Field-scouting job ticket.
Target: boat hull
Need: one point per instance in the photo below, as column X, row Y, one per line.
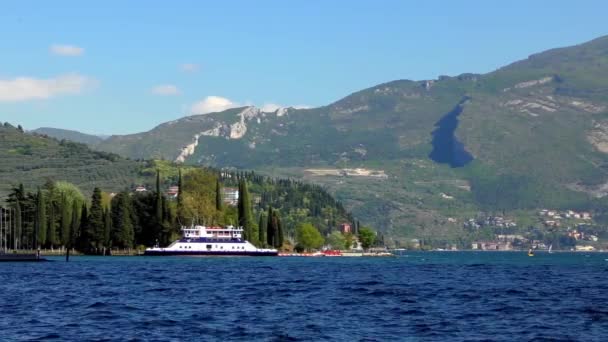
column 208, row 253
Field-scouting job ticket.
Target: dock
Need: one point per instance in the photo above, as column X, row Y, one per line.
column 8, row 257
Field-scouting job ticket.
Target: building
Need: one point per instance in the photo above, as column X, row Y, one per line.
column 141, row 188
column 492, row 246
column 345, row 228
column 173, row 191
column 230, row 195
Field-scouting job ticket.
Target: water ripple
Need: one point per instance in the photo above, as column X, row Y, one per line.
column 423, row 296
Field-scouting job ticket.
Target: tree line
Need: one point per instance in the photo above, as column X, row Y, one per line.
column 57, row 215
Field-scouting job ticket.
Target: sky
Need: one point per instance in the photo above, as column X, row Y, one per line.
column 119, row 67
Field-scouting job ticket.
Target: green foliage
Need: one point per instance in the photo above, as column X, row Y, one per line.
column 74, row 225
column 336, row 240
column 41, row 221
column 250, row 231
column 199, row 198
column 367, row 237
column 122, row 231
column 308, row 237
column 262, row 228
column 65, row 220
column 33, row 159
column 95, row 225
column 218, row 196
column 64, row 134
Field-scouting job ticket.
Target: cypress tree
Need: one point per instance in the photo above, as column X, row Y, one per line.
column 107, row 224
column 122, row 234
column 245, row 215
column 18, row 226
column 275, row 229
column 270, row 237
column 280, row 236
column 40, row 226
column 95, row 226
column 159, row 200
column 51, row 233
column 74, row 226
column 262, row 229
column 218, row 196
column 65, row 222
column 180, row 199
column 83, row 236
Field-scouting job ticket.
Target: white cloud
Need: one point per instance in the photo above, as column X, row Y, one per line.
column 165, row 89
column 190, row 67
column 211, row 104
column 28, row 88
column 66, row 50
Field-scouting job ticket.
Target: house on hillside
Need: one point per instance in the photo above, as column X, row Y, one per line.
column 173, row 191
column 345, row 228
column 230, row 195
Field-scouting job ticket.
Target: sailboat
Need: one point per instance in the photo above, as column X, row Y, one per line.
column 550, row 248
column 530, row 252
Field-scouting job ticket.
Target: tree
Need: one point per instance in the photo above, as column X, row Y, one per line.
column 199, row 198
column 270, row 227
column 262, row 224
column 180, row 197
column 41, row 223
column 18, row 224
column 65, row 222
column 245, row 214
column 309, row 237
column 122, row 234
column 51, row 230
column 82, row 236
column 348, row 241
column 336, row 240
column 218, row 196
column 107, row 227
column 74, row 226
column 159, row 200
column 95, row 227
column 279, row 232
column 367, row 237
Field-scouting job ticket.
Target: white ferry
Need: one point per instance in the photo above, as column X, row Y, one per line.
column 216, row 241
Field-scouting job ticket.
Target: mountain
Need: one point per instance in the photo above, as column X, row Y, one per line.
column 432, row 153
column 33, row 159
column 66, row 134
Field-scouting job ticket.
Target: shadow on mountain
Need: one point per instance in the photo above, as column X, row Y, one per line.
column 446, row 148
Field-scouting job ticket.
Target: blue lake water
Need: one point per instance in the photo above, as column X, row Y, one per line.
column 420, row 296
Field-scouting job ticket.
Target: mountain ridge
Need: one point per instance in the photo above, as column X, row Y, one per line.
column 536, row 131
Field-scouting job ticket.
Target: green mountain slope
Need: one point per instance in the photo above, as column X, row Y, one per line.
column 536, row 131
column 67, row 134
column 33, row 159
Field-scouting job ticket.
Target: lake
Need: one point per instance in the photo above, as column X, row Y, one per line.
column 419, row 296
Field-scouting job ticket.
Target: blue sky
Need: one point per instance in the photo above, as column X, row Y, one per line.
column 125, row 66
